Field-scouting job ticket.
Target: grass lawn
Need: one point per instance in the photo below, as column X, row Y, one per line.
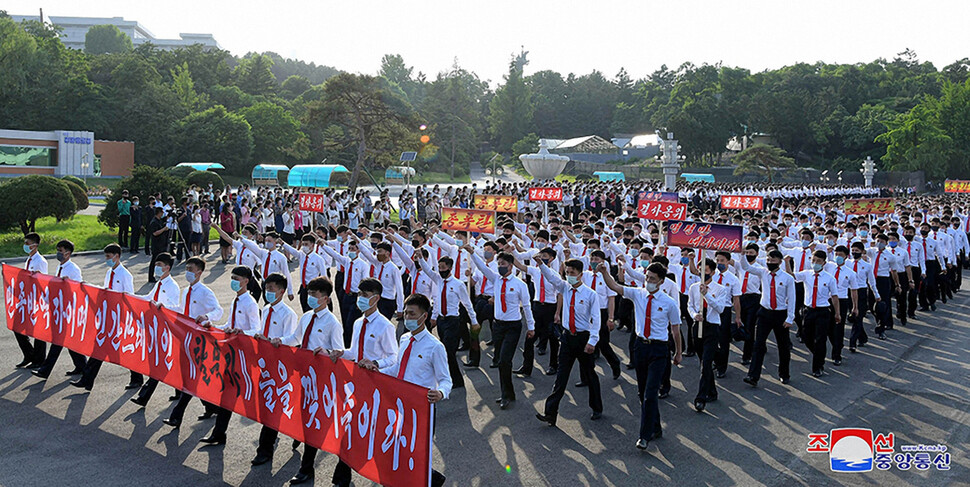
column 84, row 230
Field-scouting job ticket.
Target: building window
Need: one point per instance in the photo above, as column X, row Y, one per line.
column 28, row 156
column 97, row 165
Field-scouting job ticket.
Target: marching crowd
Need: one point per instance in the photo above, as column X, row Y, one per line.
column 572, row 278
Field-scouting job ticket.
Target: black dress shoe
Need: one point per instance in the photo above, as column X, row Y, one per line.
column 139, row 401
column 817, row 374
column 720, row 375
column 689, row 354
column 616, row 373
column 493, row 365
column 552, row 370
column 80, row 383
column 260, row 459
column 505, row 403
column 460, row 385
column 470, row 365
column 541, row 351
column 205, row 416
column 642, row 444
column 213, row 440
column 175, row 423
column 295, row 445
column 550, row 420
column 659, row 434
column 74, row 372
column 580, row 384
column 785, row 380
column 133, row 385
column 23, row 364
column 630, row 365
column 745, row 362
column 664, row 395
column 837, row 362
column 489, row 343
column 174, row 397
column 35, row 365
column 596, row 415
column 41, row 374
column 922, row 308
column 699, row 406
column 522, row 371
column 882, row 336
column 301, row 478
column 852, row 349
column 750, row 381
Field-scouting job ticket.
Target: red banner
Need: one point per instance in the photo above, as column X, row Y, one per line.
column 379, row 425
column 731, row 202
column 504, row 204
column 708, row 236
column 311, row 202
column 545, row 194
column 870, row 206
column 956, row 186
column 481, row 221
column 661, row 210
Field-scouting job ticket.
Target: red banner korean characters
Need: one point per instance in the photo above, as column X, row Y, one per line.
column 661, row 210
column 731, row 202
column 311, row 202
column 481, row 221
column 956, row 186
column 871, row 206
column 504, row 204
column 377, row 424
column 708, row 236
column 545, row 194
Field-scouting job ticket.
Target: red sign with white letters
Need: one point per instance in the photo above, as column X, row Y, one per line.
column 379, row 425
column 661, row 210
column 733, row 202
column 545, row 194
column 311, row 202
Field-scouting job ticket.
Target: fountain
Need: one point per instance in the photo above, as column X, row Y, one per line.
column 543, row 165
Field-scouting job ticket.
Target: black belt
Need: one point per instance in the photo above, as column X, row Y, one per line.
column 650, row 341
column 566, row 330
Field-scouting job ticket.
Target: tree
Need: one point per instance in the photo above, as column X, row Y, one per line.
column 763, row 160
column 184, row 86
column 203, row 179
column 143, row 182
column 105, row 39
column 215, row 135
column 526, row 145
column 454, row 118
column 25, row 199
column 369, row 114
column 510, row 116
column 294, row 86
column 275, row 132
column 254, row 75
column 79, row 194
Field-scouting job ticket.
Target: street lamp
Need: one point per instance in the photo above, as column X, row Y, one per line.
column 670, row 162
column 868, row 170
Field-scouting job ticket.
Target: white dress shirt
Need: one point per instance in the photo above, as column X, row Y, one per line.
column 717, row 298
column 452, row 290
column 271, row 262
column 201, row 302
column 327, row 333
column 844, row 278
column 278, row 324
column 664, row 311
column 778, row 283
column 819, row 288
column 595, row 281
column 545, row 292
column 244, row 256
column 514, row 296
column 244, row 315
column 579, row 301
column 427, row 362
column 165, row 292
column 36, row 263
column 69, row 270
column 119, row 279
column 310, row 265
column 378, row 340
column 353, row 269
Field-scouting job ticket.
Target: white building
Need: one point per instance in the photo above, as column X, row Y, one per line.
column 75, row 28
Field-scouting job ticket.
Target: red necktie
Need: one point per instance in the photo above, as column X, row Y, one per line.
column 815, row 291
column 774, row 300
column 458, row 266
column 837, row 271
column 594, row 282
column 241, row 251
column 404, row 359
column 232, row 317
column 360, row 340
column 306, row 260
column 111, row 280
column 158, row 287
column 59, row 270
column 855, row 267
column 924, row 251
column 542, row 289
column 876, row 271
column 909, row 248
column 801, row 266
column 484, row 279
column 439, row 253
column 372, row 270
column 646, row 317
column 414, row 285
column 379, row 276
column 306, row 333
column 341, row 253
column 744, row 286
column 720, row 279
column 504, row 281
column 683, row 282
column 572, row 313
column 444, row 298
column 269, row 316
column 266, row 267
column 188, row 301
column 350, row 274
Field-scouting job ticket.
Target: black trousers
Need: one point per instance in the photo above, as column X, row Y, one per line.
column 349, row 314
column 750, row 305
column 34, row 353
column 816, row 322
column 723, row 351
column 886, row 289
column 303, row 299
column 484, row 311
column 506, row 338
column 123, row 223
column 687, row 322
column 134, row 239
column 267, row 443
column 179, row 410
column 650, row 359
column 858, row 334
column 79, row 360
column 449, row 331
column 771, row 321
column 837, row 330
column 603, row 345
column 929, row 291
column 913, row 295
column 544, row 314
column 902, row 300
column 573, row 348
column 799, row 306
column 386, row 307
column 706, row 343
column 338, row 280
column 93, row 367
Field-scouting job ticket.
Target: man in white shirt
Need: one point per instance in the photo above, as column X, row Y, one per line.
column 821, row 291
column 777, row 315
column 511, row 303
column 66, row 270
column 382, row 269
column 310, row 266
column 544, row 311
column 271, row 260
column 656, row 317
column 118, row 279
column 706, row 300
column 354, row 271
column 449, row 294
column 165, row 293
column 579, row 335
column 33, row 354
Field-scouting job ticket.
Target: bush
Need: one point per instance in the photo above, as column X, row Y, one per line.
column 25, row 199
column 203, row 178
column 180, row 172
column 76, row 180
column 143, row 182
column 80, row 195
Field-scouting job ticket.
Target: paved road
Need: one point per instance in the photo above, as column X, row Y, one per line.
column 915, row 385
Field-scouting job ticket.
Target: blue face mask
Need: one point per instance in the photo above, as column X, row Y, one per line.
column 572, row 280
column 363, row 303
column 489, row 255
column 313, row 302
column 189, row 276
column 411, row 325
column 234, row 285
column 594, row 265
column 840, row 260
column 158, row 270
column 351, row 255
column 109, row 262
column 644, row 263
column 684, row 260
column 893, row 244
column 806, row 243
column 270, row 296
column 817, row 267
column 863, row 233
column 721, row 267
column 26, row 249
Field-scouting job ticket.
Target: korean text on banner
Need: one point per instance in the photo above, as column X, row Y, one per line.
column 481, row 221
column 545, row 194
column 661, row 210
column 870, row 206
column 311, row 202
column 734, row 202
column 495, row 202
column 708, row 236
column 657, row 196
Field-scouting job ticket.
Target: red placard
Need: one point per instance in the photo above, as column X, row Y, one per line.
column 870, row 206
column 734, row 202
column 311, row 202
column 502, row 203
column 661, row 210
column 956, row 186
column 379, row 425
column 545, row 194
column 480, row 221
column 708, row 236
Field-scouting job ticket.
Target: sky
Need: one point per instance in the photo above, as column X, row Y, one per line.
column 566, row 36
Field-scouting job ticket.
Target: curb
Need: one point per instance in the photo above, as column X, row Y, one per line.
column 11, row 260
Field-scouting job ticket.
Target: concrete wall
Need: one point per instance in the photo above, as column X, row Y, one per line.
column 117, row 158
